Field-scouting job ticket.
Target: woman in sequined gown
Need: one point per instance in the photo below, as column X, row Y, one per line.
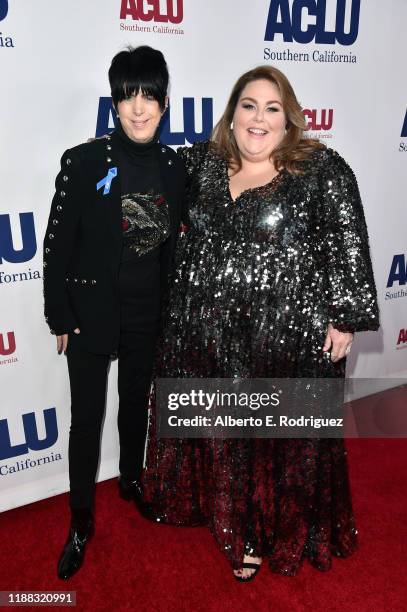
column 272, row 279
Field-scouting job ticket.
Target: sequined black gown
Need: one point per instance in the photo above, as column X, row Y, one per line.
column 256, row 282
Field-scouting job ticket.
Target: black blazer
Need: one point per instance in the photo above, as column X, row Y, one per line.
column 83, row 241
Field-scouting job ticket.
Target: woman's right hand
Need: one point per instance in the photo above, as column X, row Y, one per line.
column 62, row 341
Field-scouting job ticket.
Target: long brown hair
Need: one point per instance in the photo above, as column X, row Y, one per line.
column 293, row 149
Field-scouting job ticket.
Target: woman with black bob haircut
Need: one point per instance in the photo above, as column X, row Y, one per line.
column 108, row 250
column 143, row 69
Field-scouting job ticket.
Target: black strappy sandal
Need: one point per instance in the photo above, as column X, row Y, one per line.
column 255, row 566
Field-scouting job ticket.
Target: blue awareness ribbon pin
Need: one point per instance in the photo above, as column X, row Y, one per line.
column 107, row 181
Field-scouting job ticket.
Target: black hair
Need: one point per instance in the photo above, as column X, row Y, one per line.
column 141, row 68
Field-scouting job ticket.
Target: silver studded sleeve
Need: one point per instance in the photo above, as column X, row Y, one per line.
column 58, row 245
column 345, row 249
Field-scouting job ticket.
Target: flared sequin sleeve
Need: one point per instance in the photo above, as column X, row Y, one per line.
column 345, row 248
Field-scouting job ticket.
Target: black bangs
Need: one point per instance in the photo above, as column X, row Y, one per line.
column 140, row 69
column 133, row 86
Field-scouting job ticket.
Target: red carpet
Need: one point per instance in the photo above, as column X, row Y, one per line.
column 133, row 564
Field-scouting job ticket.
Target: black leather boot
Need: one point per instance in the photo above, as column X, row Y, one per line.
column 80, row 532
column 131, row 490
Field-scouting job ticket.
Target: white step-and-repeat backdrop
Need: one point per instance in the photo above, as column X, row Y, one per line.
column 346, row 61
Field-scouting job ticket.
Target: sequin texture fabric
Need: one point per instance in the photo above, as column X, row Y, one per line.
column 146, row 222
column 257, row 281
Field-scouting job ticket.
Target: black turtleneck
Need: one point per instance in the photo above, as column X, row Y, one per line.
column 138, row 163
column 146, row 225
column 145, row 212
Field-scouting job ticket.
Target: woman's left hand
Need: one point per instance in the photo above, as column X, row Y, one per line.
column 338, row 342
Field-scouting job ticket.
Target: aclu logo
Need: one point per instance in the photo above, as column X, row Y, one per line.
column 3, row 9
column 9, row 251
column 404, row 128
column 7, row 348
column 319, row 120
column 8, row 345
column 402, row 339
column 169, row 11
column 29, row 242
column 106, row 121
column 398, row 271
column 306, row 21
column 403, row 145
column 32, row 441
column 5, row 41
column 397, row 276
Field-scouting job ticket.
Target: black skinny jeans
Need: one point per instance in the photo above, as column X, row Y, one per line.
column 88, row 379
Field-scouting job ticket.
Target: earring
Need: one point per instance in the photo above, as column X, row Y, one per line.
column 231, row 126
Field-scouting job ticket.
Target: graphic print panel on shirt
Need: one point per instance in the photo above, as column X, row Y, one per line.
column 146, row 222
